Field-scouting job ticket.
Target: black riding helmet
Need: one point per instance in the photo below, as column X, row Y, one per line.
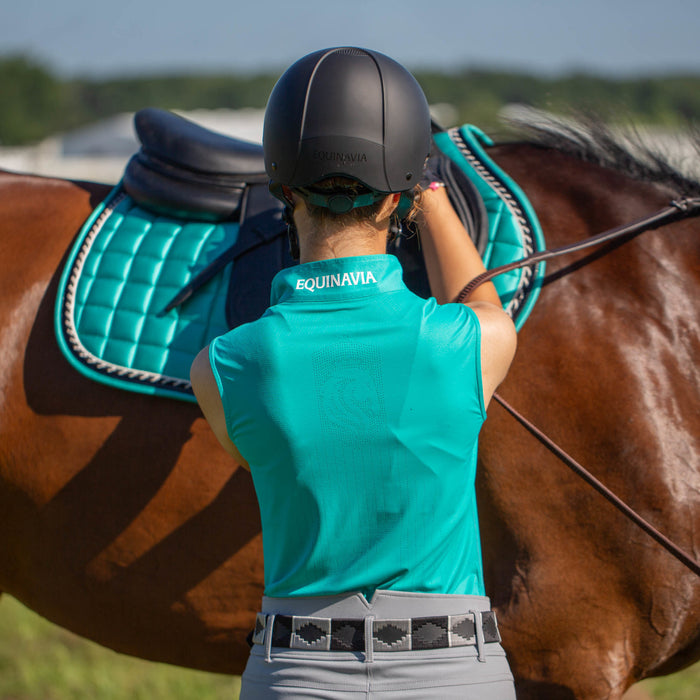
column 346, row 112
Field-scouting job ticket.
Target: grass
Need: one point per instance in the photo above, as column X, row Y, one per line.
column 39, row 661
column 684, row 685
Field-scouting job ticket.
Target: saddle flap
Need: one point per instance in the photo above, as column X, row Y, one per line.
column 263, row 245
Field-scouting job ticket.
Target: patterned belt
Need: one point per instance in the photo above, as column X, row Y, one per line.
column 407, row 634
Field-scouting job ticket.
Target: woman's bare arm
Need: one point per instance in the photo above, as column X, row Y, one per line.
column 452, row 260
column 207, row 393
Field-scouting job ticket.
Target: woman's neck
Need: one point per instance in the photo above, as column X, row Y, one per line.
column 346, row 243
column 325, row 242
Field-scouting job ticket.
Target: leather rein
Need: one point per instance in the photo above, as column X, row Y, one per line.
column 678, row 209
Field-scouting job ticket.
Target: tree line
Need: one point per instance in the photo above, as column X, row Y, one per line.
column 36, row 103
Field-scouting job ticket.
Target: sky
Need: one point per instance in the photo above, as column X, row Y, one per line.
column 94, row 38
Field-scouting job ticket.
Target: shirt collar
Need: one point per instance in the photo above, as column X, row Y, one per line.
column 338, row 278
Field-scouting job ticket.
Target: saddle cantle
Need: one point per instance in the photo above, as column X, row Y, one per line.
column 186, row 245
column 185, row 169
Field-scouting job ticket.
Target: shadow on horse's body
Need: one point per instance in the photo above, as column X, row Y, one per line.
column 125, row 522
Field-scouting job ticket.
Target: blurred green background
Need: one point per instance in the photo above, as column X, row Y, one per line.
column 37, row 103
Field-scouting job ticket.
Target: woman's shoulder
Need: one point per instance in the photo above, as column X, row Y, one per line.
column 451, row 313
column 450, row 326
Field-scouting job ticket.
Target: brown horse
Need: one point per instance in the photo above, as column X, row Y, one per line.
column 123, row 520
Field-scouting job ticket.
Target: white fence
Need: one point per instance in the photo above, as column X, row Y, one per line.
column 46, row 159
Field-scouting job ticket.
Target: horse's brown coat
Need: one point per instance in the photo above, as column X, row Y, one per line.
column 125, row 522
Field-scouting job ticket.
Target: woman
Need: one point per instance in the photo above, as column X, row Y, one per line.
column 357, row 405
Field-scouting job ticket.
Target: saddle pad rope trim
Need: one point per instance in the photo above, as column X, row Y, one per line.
column 513, row 223
column 86, row 353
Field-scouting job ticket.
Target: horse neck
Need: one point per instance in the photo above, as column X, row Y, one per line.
column 658, row 271
column 573, row 198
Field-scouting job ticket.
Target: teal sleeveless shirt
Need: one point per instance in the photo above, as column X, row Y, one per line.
column 357, row 405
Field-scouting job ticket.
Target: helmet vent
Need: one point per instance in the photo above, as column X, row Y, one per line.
column 351, row 52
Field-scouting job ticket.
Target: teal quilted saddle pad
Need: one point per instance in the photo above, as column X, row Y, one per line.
column 130, row 260
column 126, row 266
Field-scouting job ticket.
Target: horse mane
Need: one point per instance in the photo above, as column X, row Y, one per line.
column 625, row 149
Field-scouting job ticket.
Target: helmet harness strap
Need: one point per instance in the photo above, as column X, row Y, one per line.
column 338, row 203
